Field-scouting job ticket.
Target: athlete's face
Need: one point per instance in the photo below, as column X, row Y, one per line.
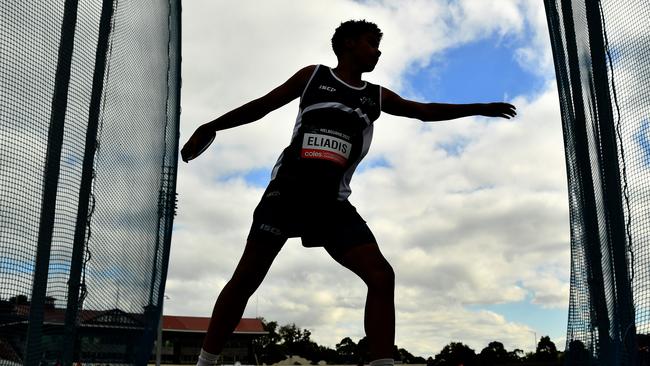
column 366, row 51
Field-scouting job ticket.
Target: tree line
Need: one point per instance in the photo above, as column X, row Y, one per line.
column 288, row 340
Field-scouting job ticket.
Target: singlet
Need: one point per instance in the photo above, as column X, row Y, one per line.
column 331, row 135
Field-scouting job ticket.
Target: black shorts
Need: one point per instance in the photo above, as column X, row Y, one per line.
column 319, row 223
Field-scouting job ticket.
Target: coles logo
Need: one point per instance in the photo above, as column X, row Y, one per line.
column 324, row 147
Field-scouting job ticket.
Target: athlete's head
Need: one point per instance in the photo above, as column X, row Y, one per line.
column 359, row 37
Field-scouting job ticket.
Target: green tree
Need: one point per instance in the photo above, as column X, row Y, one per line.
column 418, row 360
column 271, row 338
column 19, row 300
column 267, row 347
column 309, row 350
column 407, row 357
column 327, row 354
column 50, row 302
column 517, row 355
column 346, row 350
column 290, row 334
column 578, row 354
column 298, row 342
column 362, row 353
column 546, row 350
column 494, row 354
column 455, row 354
column 305, row 347
column 529, row 357
column 290, row 340
column 305, row 336
column 273, row 353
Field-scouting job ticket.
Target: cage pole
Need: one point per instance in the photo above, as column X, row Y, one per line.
column 167, row 198
column 575, row 121
column 623, row 315
column 34, row 342
column 76, row 265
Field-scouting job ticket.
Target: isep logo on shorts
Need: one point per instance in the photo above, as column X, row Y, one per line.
column 325, row 147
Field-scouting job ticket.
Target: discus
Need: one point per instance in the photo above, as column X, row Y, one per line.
column 202, row 144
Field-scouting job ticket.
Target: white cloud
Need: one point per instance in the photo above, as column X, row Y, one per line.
column 476, row 18
column 486, row 226
column 537, row 57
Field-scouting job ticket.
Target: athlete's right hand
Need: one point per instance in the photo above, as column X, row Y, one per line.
column 198, row 143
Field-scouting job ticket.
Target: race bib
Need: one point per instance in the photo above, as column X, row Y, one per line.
column 325, row 147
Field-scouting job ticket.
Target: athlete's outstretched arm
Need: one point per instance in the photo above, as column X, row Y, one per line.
column 251, row 111
column 429, row 112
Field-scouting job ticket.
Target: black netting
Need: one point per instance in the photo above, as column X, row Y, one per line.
column 601, row 50
column 89, row 111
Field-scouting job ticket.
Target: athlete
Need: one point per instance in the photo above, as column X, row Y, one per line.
column 307, row 196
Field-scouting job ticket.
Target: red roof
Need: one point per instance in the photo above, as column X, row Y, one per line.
column 170, row 322
column 200, row 324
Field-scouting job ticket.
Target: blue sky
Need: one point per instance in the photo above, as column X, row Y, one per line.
column 481, row 71
column 643, row 139
column 471, row 213
column 544, row 321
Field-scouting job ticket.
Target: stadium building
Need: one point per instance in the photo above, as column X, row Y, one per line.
column 107, row 336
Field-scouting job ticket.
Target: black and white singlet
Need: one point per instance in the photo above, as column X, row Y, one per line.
column 332, row 134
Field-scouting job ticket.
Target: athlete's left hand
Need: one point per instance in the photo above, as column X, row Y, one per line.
column 198, row 142
column 504, row 110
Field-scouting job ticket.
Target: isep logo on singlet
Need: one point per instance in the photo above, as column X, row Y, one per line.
column 325, row 147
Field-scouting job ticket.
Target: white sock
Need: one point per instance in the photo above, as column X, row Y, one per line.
column 207, row 359
column 383, row 362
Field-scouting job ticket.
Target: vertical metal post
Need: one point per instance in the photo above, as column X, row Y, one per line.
column 34, row 343
column 159, row 338
column 160, row 331
column 575, row 122
column 167, row 198
column 76, row 265
column 612, row 195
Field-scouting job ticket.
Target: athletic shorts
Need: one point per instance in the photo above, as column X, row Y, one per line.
column 319, row 223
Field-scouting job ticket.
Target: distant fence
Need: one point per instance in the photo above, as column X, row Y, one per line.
column 601, row 51
column 90, row 95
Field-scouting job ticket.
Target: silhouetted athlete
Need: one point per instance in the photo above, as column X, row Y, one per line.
column 310, row 183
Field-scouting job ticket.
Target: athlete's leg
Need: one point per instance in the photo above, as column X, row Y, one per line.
column 229, row 307
column 379, row 321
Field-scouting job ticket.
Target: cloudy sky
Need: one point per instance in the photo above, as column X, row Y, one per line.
column 471, row 213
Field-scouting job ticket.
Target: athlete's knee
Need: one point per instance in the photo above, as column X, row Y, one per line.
column 382, row 277
column 252, row 268
column 246, row 281
column 244, row 284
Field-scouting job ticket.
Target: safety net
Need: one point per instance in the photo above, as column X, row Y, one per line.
column 89, row 112
column 601, row 51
